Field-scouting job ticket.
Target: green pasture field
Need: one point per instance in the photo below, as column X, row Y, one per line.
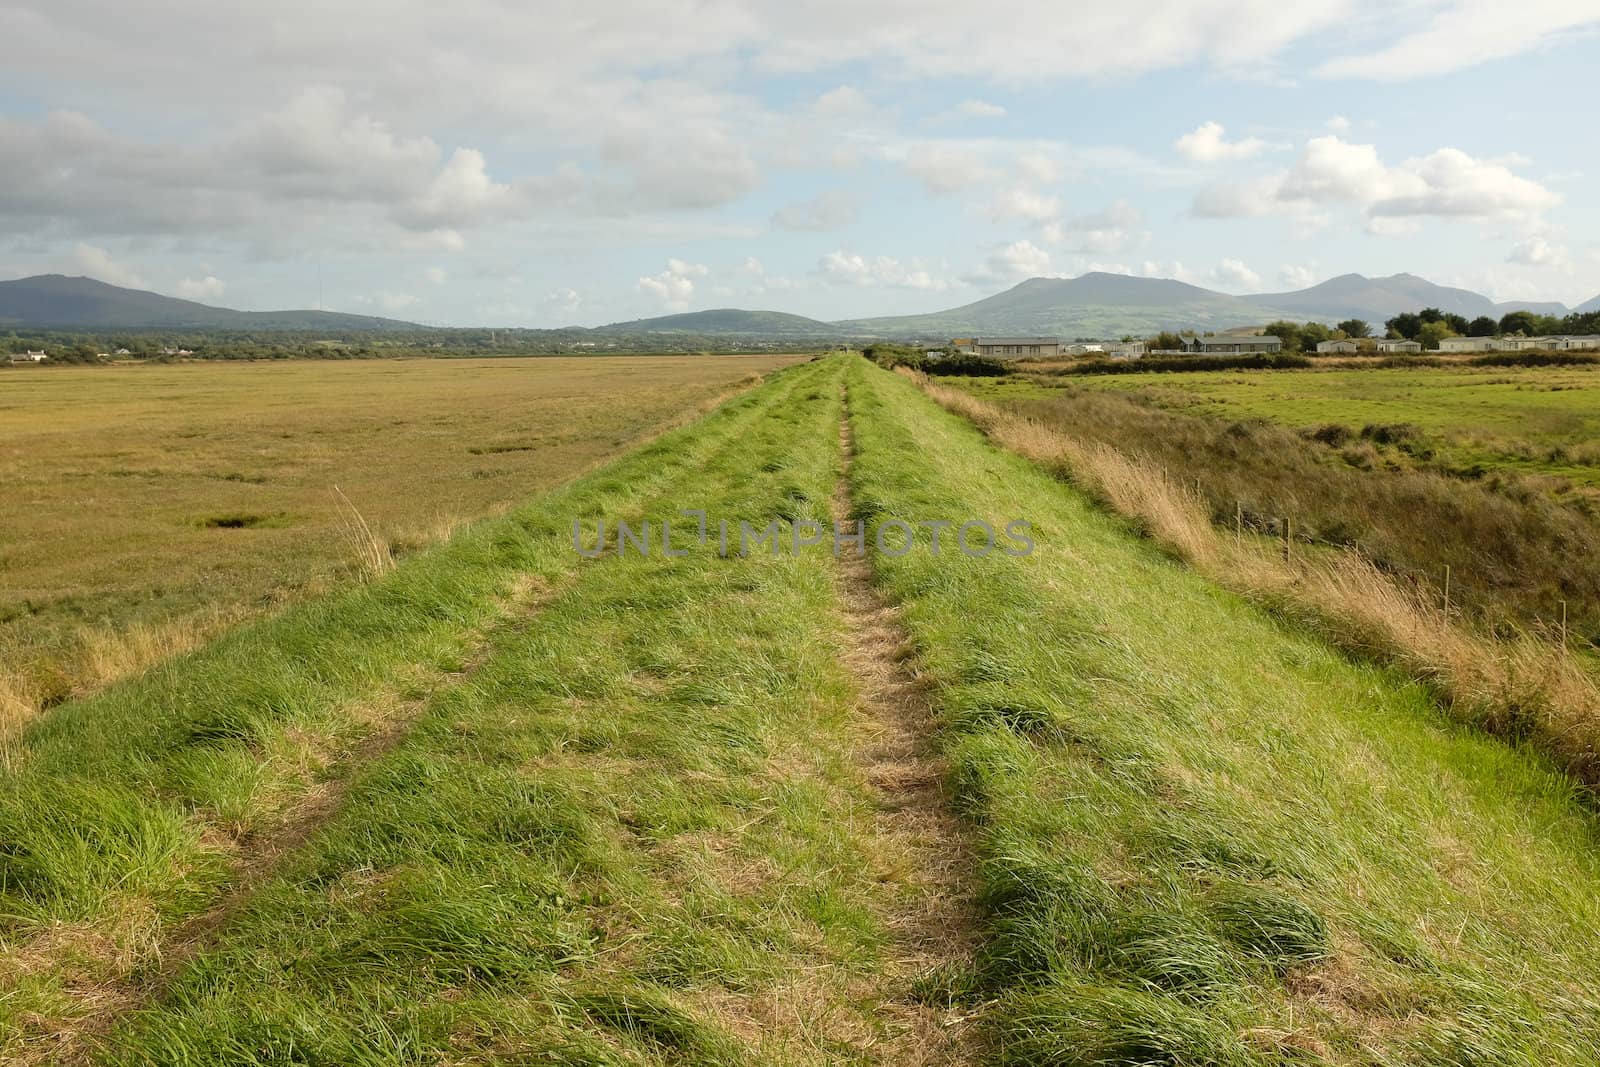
column 1537, row 419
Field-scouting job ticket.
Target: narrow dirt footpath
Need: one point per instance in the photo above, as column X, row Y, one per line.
column 924, row 850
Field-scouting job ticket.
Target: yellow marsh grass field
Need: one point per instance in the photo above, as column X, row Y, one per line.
column 144, row 507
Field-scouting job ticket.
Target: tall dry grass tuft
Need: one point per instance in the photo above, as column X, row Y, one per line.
column 371, row 553
column 1516, row 687
column 104, row 656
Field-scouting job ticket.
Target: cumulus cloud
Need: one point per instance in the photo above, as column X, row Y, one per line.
column 1206, row 144
column 1297, row 277
column 1012, row 263
column 674, row 287
column 95, row 262
column 847, row 268
column 1447, row 183
column 459, row 196
column 204, row 290
column 1234, row 274
column 1540, row 252
column 828, row 210
column 1119, row 228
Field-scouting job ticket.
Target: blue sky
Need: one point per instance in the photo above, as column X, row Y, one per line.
column 547, row 164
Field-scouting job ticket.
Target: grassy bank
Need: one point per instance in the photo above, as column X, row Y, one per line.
column 1206, row 837
column 1518, row 546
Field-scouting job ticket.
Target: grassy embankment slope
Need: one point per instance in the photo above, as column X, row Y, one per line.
column 143, row 508
column 508, row 804
column 1206, row 837
column 1389, row 462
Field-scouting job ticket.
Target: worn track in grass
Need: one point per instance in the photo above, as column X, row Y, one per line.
column 921, row 841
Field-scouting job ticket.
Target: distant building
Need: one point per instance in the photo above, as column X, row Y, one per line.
column 28, row 357
column 1468, row 344
column 1388, row 344
column 1126, row 350
column 1557, row 343
column 1233, row 346
column 1342, row 347
column 1016, row 347
column 1083, row 348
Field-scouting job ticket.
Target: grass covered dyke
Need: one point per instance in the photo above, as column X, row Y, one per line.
column 1205, row 836
column 1521, row 687
column 127, row 813
column 641, row 832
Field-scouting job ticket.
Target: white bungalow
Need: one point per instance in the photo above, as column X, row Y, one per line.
column 1398, row 344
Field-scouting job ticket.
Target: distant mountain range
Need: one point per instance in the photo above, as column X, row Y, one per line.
column 731, row 322
column 54, row 300
column 1111, row 305
column 1093, row 305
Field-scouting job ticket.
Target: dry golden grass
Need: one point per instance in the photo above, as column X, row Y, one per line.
column 1521, row 686
column 144, row 508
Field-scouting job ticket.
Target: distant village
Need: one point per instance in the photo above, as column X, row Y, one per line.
column 1238, row 344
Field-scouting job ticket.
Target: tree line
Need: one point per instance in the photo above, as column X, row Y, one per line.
column 1427, row 327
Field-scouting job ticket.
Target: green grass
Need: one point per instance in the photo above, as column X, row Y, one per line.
column 625, row 819
column 1539, row 420
column 1206, row 837
column 1521, row 550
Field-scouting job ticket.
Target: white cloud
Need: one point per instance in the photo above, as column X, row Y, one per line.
column 948, row 167
column 1119, row 228
column 205, row 290
column 1446, row 183
column 459, row 196
column 1017, row 202
column 1208, row 145
column 828, row 210
column 972, row 109
column 95, row 262
column 674, row 287
column 1015, row 262
column 1234, row 274
column 1297, row 277
column 436, row 275
column 566, row 301
column 1539, row 252
column 1338, row 124
column 847, row 268
column 1465, row 33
